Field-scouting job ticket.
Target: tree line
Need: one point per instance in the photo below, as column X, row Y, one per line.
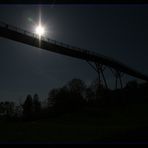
column 74, row 96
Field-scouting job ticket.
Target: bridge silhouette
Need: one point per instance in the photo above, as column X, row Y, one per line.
column 97, row 61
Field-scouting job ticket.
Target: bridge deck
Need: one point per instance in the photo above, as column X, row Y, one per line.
column 23, row 36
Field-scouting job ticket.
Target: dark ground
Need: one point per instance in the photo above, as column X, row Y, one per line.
column 118, row 124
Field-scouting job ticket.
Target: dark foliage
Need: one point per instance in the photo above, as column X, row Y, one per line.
column 69, row 97
column 74, row 97
column 28, row 108
column 36, row 106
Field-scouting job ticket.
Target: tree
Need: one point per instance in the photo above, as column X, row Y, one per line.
column 7, row 109
column 28, row 107
column 69, row 97
column 97, row 88
column 51, row 97
column 59, row 98
column 36, row 104
column 9, row 106
column 89, row 96
column 76, row 86
column 2, row 109
column 77, row 89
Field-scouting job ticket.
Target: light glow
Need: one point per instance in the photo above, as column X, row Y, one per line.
column 40, row 30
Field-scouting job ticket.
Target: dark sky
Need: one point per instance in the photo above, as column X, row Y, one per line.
column 118, row 31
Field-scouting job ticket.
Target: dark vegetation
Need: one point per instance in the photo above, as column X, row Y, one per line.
column 77, row 112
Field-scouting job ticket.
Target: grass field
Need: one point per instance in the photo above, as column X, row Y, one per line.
column 89, row 125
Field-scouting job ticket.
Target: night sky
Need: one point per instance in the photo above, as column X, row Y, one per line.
column 117, row 31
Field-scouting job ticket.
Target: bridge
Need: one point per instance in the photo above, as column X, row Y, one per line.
column 97, row 61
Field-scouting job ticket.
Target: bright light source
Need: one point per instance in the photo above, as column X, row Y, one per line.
column 40, row 30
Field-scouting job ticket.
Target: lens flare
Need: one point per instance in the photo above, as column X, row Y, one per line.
column 40, row 30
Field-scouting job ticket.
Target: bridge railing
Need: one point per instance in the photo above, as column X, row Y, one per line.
column 14, row 28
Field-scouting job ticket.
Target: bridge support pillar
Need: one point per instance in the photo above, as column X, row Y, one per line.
column 118, row 78
column 99, row 68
